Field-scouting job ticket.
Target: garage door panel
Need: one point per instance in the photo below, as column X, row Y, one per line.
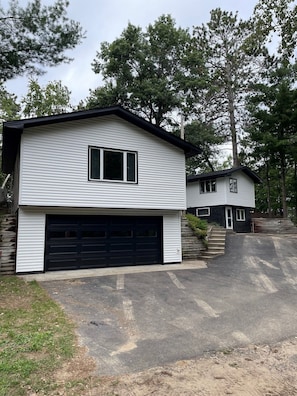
column 92, row 262
column 93, row 247
column 66, row 264
column 102, row 241
column 146, row 259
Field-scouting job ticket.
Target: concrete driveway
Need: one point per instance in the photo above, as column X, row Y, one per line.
column 131, row 322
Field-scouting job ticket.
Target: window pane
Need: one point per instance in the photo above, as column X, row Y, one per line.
column 207, row 186
column 62, row 234
column 240, row 214
column 113, row 165
column 93, row 234
column 131, row 167
column 121, row 234
column 203, row 212
column 149, row 233
column 233, row 185
column 95, row 164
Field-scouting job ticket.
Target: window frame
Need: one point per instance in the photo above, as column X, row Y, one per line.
column 125, row 161
column 240, row 214
column 233, row 185
column 203, row 186
column 203, row 215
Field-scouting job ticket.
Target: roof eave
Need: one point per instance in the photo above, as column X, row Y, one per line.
column 12, row 131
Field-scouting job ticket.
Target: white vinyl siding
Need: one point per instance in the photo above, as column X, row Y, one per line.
column 245, row 196
column 172, row 238
column 31, row 233
column 196, row 199
column 30, row 241
column 54, row 162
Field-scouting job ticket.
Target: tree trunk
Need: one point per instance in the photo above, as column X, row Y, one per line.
column 283, row 186
column 231, row 110
column 295, row 178
column 268, row 191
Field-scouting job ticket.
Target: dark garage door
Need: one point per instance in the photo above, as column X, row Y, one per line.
column 74, row 242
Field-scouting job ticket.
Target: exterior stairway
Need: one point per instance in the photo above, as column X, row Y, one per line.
column 192, row 246
column 216, row 243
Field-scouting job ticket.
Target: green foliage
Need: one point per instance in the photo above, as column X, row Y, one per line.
column 9, row 107
column 275, row 21
column 227, row 74
column 205, row 137
column 34, row 36
column 144, row 70
column 273, row 129
column 52, row 99
column 197, row 225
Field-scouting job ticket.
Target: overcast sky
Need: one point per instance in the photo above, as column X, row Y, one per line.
column 104, row 20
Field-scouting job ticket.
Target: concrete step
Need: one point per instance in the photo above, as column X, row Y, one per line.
column 191, row 245
column 216, row 243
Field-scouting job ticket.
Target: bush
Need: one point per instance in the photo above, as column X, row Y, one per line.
column 197, row 225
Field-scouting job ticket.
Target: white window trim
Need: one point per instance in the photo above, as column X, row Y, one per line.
column 125, row 172
column 240, row 215
column 204, row 215
column 234, row 188
column 211, row 181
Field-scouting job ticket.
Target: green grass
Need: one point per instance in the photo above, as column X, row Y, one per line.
column 36, row 338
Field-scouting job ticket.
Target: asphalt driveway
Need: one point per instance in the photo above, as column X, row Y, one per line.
column 135, row 321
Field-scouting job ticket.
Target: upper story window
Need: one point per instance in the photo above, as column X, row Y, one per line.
column 207, row 186
column 233, row 185
column 112, row 165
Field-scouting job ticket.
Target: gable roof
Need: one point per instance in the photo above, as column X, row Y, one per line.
column 12, row 131
column 225, row 173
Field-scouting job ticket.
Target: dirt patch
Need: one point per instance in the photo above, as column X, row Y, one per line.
column 255, row 370
column 80, row 367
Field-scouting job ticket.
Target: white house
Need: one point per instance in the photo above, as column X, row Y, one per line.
column 95, row 188
column 224, row 197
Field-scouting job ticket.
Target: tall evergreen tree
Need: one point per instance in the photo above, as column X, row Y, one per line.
column 273, row 125
column 229, row 71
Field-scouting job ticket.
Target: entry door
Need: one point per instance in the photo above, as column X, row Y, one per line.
column 229, row 218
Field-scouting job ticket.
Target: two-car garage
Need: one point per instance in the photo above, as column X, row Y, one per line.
column 87, row 241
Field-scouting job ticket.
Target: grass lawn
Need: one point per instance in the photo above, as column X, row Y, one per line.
column 36, row 341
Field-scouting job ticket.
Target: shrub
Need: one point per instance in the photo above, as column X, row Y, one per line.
column 197, row 225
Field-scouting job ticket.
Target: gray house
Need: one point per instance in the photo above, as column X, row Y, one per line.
column 95, row 188
column 224, row 197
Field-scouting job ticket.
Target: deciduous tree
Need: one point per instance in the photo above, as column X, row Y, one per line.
column 52, row 99
column 143, row 70
column 35, row 36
